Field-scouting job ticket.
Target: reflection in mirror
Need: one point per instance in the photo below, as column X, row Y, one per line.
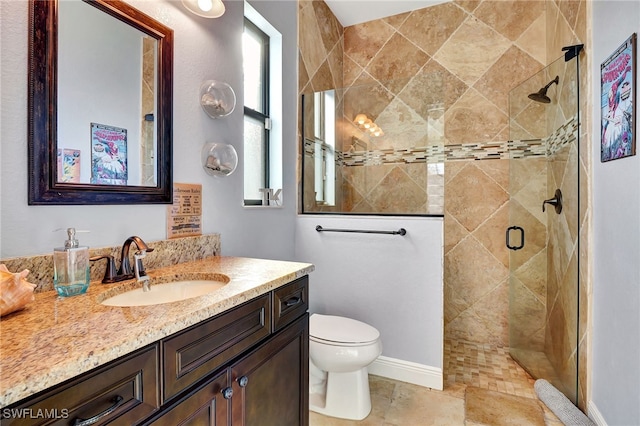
column 369, row 152
column 100, row 113
column 106, row 86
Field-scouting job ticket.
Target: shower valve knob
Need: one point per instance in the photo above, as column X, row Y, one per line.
column 556, row 202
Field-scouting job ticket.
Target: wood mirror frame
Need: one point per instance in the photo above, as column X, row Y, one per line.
column 44, row 188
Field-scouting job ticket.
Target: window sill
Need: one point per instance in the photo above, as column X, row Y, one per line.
column 261, row 207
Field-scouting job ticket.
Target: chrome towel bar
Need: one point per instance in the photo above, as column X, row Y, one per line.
column 400, row 231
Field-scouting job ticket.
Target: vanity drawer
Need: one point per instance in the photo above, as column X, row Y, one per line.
column 290, row 302
column 123, row 392
column 194, row 353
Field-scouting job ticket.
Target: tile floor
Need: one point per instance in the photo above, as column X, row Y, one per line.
column 482, row 386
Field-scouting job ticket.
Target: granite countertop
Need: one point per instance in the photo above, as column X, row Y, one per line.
column 54, row 339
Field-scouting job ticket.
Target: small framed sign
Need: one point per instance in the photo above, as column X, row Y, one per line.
column 618, row 102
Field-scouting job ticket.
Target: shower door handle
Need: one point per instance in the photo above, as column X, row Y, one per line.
column 515, row 228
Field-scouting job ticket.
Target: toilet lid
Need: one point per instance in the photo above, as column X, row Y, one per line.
column 341, row 330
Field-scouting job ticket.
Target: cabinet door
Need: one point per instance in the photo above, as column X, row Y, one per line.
column 271, row 384
column 122, row 392
column 191, row 355
column 206, row 405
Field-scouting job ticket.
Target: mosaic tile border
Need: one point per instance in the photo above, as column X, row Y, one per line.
column 565, row 135
column 562, row 137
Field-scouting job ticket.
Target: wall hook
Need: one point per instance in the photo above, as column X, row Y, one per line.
column 555, row 201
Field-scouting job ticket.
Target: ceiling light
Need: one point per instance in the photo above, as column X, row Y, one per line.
column 205, row 8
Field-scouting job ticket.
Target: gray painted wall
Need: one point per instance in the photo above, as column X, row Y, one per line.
column 392, row 282
column 204, row 49
column 615, row 386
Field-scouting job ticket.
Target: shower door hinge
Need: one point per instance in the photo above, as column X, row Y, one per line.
column 571, row 52
column 267, row 123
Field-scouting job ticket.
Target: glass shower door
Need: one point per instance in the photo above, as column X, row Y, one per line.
column 543, row 232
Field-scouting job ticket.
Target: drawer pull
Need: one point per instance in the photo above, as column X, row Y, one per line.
column 227, row 393
column 117, row 401
column 292, row 301
column 243, row 381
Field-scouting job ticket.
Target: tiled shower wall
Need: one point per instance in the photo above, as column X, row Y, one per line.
column 481, row 49
column 389, row 79
column 320, row 67
column 147, row 139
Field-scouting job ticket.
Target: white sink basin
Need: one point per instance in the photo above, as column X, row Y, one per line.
column 165, row 293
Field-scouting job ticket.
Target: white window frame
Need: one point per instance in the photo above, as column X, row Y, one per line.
column 275, row 164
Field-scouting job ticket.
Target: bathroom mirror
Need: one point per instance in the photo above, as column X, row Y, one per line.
column 100, row 104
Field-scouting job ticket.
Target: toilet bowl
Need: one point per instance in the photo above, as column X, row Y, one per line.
column 340, row 349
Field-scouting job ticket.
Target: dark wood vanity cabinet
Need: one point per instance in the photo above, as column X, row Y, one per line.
column 123, row 392
column 192, row 354
column 271, row 384
column 205, row 404
column 266, row 387
column 248, row 366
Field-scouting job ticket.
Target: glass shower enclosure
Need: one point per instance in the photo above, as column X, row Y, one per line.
column 375, row 148
column 543, row 236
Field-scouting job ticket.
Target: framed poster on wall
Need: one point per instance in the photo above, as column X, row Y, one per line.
column 108, row 155
column 618, row 102
column 68, row 165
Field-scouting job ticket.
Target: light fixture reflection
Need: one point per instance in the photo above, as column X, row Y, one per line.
column 205, row 8
column 366, row 124
column 360, row 119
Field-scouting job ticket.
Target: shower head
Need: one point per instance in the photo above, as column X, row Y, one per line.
column 541, row 95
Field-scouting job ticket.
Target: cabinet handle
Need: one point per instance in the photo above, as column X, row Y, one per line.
column 243, row 381
column 292, row 301
column 117, row 401
column 227, row 393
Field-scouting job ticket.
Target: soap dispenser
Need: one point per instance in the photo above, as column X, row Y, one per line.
column 71, row 267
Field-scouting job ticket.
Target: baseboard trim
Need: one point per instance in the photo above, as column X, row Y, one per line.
column 406, row 371
column 594, row 414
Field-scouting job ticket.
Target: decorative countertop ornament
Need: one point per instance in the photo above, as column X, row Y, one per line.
column 15, row 290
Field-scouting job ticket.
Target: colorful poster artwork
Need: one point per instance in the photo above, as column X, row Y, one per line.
column 69, row 165
column 108, row 155
column 617, row 79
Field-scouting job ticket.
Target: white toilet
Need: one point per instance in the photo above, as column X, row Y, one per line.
column 340, row 349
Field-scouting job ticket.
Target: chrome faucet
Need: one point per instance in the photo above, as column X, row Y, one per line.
column 138, row 270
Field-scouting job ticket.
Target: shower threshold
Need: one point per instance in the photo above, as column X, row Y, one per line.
column 537, row 364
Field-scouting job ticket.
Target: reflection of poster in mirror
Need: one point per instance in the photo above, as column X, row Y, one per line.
column 69, row 165
column 618, row 81
column 108, row 155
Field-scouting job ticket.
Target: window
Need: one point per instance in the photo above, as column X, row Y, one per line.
column 324, row 147
column 261, row 50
